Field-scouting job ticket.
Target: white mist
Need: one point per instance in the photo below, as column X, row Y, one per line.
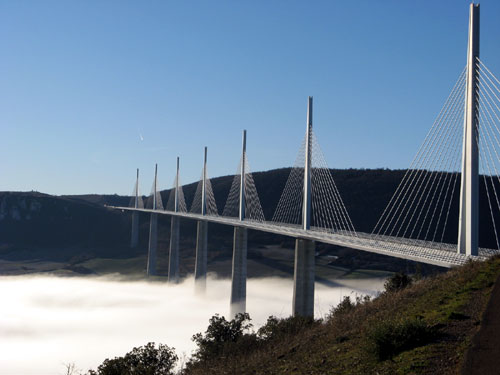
column 49, row 321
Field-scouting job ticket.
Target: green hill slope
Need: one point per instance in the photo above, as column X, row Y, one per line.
column 423, row 329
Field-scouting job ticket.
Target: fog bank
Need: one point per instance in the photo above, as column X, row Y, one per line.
column 46, row 321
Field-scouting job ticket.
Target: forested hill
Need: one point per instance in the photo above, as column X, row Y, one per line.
column 365, row 192
column 57, row 226
column 44, row 220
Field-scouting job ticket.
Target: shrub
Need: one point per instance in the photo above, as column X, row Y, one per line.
column 346, row 306
column 276, row 328
column 220, row 335
column 144, row 360
column 389, row 338
column 398, row 281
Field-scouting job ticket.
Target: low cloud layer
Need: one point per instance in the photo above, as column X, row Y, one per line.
column 48, row 321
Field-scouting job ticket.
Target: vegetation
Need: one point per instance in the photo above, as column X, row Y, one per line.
column 221, row 335
column 418, row 327
column 389, row 338
column 225, row 339
column 144, row 360
column 398, row 281
column 277, row 329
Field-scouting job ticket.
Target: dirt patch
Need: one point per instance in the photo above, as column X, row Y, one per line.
column 482, row 357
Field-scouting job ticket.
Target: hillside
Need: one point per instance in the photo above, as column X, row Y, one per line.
column 425, row 328
column 41, row 226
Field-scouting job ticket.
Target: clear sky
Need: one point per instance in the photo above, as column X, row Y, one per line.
column 91, row 90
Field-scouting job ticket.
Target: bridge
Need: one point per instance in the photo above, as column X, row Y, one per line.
column 457, row 163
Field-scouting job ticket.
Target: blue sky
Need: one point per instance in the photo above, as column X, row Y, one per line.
column 82, row 81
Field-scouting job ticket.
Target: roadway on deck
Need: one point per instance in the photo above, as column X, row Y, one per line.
column 420, row 251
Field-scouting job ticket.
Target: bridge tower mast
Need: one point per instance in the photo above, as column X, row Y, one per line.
column 153, row 231
column 204, row 185
column 306, row 206
column 468, row 230
column 134, row 240
column 243, row 177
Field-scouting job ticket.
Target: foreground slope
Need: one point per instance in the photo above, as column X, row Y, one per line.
column 426, row 328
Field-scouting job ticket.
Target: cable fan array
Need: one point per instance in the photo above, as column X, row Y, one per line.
column 211, row 206
column 328, row 210
column 171, row 198
column 252, row 202
column 136, row 193
column 150, row 201
column 420, row 207
column 253, row 208
column 488, row 91
column 195, row 206
column 419, row 210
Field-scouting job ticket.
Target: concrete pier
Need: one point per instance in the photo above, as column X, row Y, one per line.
column 200, row 270
column 239, row 274
column 173, row 261
column 303, row 278
column 153, row 243
column 134, row 239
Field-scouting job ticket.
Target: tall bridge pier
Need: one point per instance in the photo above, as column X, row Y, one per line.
column 200, row 270
column 239, row 265
column 239, row 272
column 468, row 225
column 173, row 261
column 153, row 232
column 303, row 277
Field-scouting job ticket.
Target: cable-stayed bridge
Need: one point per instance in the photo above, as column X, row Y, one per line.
column 455, row 169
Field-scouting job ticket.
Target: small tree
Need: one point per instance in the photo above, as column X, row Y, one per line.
column 276, row 328
column 144, row 360
column 398, row 281
column 71, row 369
column 344, row 307
column 219, row 334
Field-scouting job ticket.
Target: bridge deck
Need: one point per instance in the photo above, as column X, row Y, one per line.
column 443, row 255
